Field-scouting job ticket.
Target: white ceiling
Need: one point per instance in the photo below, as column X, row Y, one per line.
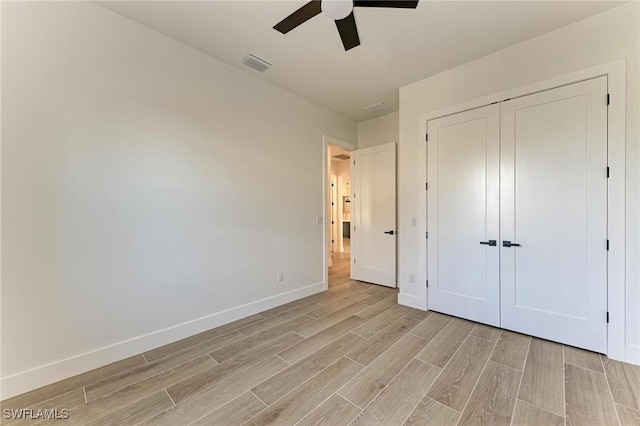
column 398, row 46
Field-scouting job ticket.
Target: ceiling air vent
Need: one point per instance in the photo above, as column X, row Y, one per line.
column 377, row 107
column 256, row 63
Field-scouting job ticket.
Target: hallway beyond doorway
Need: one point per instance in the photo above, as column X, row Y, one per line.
column 340, row 269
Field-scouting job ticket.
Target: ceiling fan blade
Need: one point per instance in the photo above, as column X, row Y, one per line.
column 348, row 32
column 402, row 4
column 299, row 17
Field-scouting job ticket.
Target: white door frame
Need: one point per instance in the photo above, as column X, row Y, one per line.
column 326, row 220
column 616, row 133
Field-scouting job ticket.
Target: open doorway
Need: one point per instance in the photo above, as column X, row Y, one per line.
column 339, row 208
column 359, row 215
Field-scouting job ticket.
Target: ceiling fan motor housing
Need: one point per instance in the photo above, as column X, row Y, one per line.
column 337, row 9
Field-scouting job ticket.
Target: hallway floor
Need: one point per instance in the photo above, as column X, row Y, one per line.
column 340, row 271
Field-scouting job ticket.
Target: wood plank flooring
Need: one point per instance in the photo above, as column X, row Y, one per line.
column 349, row 356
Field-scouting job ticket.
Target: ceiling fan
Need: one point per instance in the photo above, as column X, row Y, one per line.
column 341, row 11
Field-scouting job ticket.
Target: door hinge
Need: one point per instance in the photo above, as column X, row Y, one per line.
column 354, row 261
column 427, row 235
column 354, row 227
column 332, row 203
column 607, row 171
column 607, row 317
column 607, row 245
column 426, row 186
column 332, row 185
column 332, row 222
column 354, row 162
column 354, row 195
column 427, row 283
column 332, row 241
column 608, row 98
column 426, row 137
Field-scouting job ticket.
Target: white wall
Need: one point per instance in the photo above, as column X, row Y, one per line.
column 140, row 201
column 600, row 39
column 378, row 131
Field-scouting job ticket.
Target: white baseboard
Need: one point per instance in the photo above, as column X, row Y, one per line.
column 25, row 381
column 632, row 354
column 412, row 301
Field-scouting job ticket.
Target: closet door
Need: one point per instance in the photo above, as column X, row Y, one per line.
column 463, row 218
column 554, row 214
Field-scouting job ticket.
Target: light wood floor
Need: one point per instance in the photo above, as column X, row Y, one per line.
column 340, row 271
column 351, row 355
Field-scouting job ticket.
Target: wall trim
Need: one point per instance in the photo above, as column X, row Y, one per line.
column 25, row 381
column 616, row 73
column 412, row 301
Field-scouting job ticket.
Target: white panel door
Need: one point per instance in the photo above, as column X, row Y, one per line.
column 373, row 235
column 554, row 205
column 463, row 214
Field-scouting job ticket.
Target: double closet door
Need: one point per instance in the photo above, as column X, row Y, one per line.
column 517, row 214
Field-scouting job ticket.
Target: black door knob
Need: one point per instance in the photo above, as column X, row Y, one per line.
column 389, row 232
column 509, row 244
column 492, row 243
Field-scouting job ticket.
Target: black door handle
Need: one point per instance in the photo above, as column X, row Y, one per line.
column 489, row 243
column 509, row 244
column 389, row 232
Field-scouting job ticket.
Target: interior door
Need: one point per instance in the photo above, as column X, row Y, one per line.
column 463, row 214
column 373, row 235
column 554, row 214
